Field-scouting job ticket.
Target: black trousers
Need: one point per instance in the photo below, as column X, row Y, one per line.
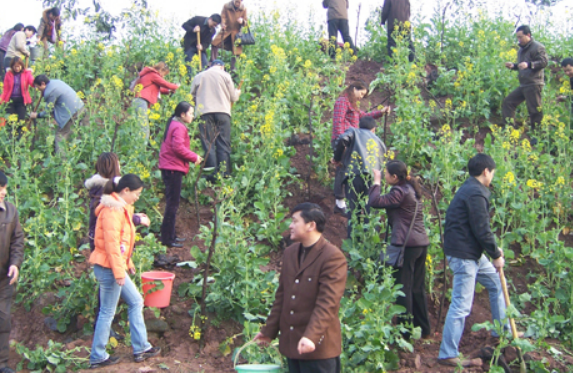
column 2, row 67
column 215, row 132
column 314, row 366
column 356, row 190
column 6, row 293
column 335, row 26
column 16, row 106
column 412, row 276
column 392, row 44
column 532, row 97
column 172, row 181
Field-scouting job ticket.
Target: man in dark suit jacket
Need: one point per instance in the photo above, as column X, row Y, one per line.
column 397, row 13
column 206, row 26
column 307, row 301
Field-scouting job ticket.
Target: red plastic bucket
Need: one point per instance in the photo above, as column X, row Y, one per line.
column 158, row 298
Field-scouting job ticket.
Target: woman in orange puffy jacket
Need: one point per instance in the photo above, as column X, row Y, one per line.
column 114, row 241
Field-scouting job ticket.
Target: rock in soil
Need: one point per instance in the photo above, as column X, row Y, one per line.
column 156, row 326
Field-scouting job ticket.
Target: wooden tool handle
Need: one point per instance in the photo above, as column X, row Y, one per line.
column 507, row 302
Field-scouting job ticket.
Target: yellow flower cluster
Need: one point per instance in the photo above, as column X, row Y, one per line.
column 278, row 153
column 560, row 180
column 267, row 128
column 534, row 184
column 509, row 178
column 117, row 81
column 169, row 57
column 154, row 116
column 526, row 145
column 195, row 332
column 565, row 88
column 514, row 135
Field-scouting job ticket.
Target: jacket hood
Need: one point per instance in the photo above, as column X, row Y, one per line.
column 147, row 70
column 112, row 201
column 95, row 180
column 231, row 6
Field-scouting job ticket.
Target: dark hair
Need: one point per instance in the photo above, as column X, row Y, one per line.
column 161, row 67
column 16, row 60
column 480, row 162
column 181, row 108
column 525, row 29
column 3, row 179
column 130, row 181
column 216, row 18
column 367, row 123
column 30, row 28
column 41, row 79
column 349, row 91
column 55, row 11
column 107, row 165
column 311, row 212
column 18, row 27
column 567, row 62
column 400, row 169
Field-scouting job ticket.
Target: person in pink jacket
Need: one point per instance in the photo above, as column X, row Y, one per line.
column 16, row 84
column 174, row 158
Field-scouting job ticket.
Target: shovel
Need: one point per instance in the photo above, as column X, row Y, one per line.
column 522, row 368
column 199, row 51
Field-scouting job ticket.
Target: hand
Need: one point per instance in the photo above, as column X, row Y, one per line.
column 262, row 340
column 120, row 281
column 199, row 47
column 305, row 346
column 377, row 176
column 337, row 164
column 144, row 220
column 509, row 65
column 386, row 110
column 198, row 161
column 561, row 98
column 13, row 272
column 223, row 26
column 501, row 251
column 197, row 29
column 238, row 92
column 523, row 66
column 132, row 271
column 240, row 20
column 498, row 263
column 33, row 115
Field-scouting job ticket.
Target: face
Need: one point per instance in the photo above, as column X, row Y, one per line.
column 390, row 179
column 52, row 17
column 3, row 191
column 359, row 93
column 522, row 39
column 17, row 68
column 237, row 3
column 488, row 176
column 188, row 116
column 40, row 88
column 212, row 23
column 298, row 228
column 568, row 70
column 131, row 196
column 29, row 33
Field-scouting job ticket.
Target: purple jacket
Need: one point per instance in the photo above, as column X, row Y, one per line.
column 5, row 40
column 95, row 186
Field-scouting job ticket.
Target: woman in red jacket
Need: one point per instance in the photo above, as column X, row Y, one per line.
column 149, row 86
column 174, row 159
column 16, row 84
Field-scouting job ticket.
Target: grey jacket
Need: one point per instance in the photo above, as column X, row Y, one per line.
column 337, row 9
column 11, row 239
column 534, row 54
column 360, row 151
column 17, row 46
column 65, row 99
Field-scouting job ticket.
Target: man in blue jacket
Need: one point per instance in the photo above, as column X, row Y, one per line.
column 467, row 234
column 68, row 107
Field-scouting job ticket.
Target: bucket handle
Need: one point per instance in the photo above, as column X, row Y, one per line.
column 274, row 345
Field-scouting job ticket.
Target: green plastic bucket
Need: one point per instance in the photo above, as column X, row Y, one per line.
column 258, row 368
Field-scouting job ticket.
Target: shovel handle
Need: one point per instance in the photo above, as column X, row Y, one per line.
column 507, row 302
column 198, row 51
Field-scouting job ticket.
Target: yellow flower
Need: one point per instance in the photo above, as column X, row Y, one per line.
column 154, row 116
column 74, row 52
column 100, row 46
column 117, row 81
column 506, row 145
column 266, row 77
column 461, row 44
column 446, row 128
column 169, row 57
column 448, row 103
column 534, row 184
column 390, row 154
column 346, row 45
column 407, row 24
column 273, row 70
column 307, row 64
column 514, row 135
column 509, row 178
column 526, row 145
column 13, row 118
column 156, row 106
column 560, row 180
column 197, row 335
column 353, row 58
column 81, row 95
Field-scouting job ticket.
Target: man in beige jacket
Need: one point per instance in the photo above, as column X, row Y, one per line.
column 17, row 46
column 337, row 21
column 214, row 91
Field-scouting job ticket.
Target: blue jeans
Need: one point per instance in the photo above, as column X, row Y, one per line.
column 466, row 272
column 110, row 292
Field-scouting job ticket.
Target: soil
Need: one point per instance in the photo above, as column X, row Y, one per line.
column 180, row 353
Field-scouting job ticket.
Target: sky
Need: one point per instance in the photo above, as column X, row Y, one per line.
column 178, row 11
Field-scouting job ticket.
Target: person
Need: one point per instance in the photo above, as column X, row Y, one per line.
column 114, row 241
column 214, row 91
column 152, row 85
column 50, row 27
column 12, row 256
column 307, row 301
column 400, row 204
column 107, row 168
column 337, row 18
column 16, row 90
column 174, row 158
column 567, row 66
column 467, row 234
column 347, row 114
column 358, row 151
column 68, row 107
column 234, row 16
column 206, row 28
column 4, row 41
column 397, row 14
column 531, row 60
column 17, row 45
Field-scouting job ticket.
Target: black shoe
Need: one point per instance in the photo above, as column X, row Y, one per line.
column 174, row 244
column 153, row 351
column 343, row 212
column 7, row 370
column 112, row 333
column 180, row 239
column 110, row 361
